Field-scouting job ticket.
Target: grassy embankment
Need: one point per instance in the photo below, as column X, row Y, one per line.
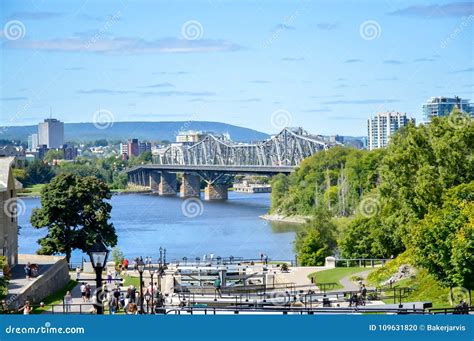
column 55, row 298
column 31, row 191
column 424, row 286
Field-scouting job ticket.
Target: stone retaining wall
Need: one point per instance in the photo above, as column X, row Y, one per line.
column 53, row 279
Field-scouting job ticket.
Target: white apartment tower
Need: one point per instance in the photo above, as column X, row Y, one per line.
column 382, row 126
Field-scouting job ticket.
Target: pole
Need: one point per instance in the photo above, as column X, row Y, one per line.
column 98, row 290
column 152, row 293
column 141, row 292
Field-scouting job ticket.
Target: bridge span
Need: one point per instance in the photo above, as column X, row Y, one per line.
column 213, row 160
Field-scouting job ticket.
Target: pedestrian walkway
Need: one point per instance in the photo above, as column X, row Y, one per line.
column 350, row 285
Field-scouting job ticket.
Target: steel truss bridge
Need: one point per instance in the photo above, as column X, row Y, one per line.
column 214, row 159
column 288, row 148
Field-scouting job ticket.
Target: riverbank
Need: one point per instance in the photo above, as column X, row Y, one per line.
column 285, row 219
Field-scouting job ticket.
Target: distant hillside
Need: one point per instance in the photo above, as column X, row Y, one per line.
column 152, row 131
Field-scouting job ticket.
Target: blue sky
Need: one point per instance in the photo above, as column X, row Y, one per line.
column 323, row 65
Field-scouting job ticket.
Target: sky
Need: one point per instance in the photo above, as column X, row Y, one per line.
column 326, row 66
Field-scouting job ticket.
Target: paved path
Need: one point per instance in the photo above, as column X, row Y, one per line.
column 351, row 286
column 299, row 275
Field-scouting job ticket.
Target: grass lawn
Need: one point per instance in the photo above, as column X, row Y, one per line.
column 55, row 298
column 129, row 280
column 34, row 190
column 335, row 275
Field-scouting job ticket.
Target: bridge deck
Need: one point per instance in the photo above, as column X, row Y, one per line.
column 216, row 168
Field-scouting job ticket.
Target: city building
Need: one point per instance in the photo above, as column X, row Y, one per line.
column 144, row 147
column 12, row 150
column 70, row 152
column 442, row 106
column 382, row 126
column 32, row 142
column 133, row 147
column 8, row 213
column 189, row 137
column 51, row 133
column 41, row 151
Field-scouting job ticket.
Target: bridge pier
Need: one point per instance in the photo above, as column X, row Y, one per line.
column 190, row 186
column 216, row 192
column 144, row 179
column 154, row 181
column 167, row 184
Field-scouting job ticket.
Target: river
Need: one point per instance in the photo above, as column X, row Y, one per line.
column 145, row 222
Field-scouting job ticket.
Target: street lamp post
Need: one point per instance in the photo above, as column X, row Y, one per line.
column 152, row 292
column 141, row 268
column 98, row 254
column 161, row 255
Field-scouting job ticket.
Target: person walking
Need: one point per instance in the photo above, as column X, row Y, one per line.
column 88, row 292
column 26, row 308
column 217, row 286
column 78, row 273
column 363, row 293
column 83, row 291
column 67, row 302
column 28, row 271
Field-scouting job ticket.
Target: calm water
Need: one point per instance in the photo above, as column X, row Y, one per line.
column 145, row 222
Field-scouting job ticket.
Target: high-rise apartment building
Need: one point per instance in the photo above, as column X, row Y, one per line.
column 382, row 126
column 442, row 106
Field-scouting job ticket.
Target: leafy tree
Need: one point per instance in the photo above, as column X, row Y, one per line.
column 4, row 279
column 316, row 240
column 120, row 181
column 279, row 190
column 117, row 255
column 75, row 212
column 38, row 172
column 443, row 242
column 53, row 155
column 357, row 239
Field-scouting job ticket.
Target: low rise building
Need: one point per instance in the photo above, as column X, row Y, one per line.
column 9, row 212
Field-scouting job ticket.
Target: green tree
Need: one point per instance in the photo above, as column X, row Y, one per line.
column 316, row 240
column 75, row 211
column 53, row 155
column 443, row 242
column 279, row 190
column 38, row 172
